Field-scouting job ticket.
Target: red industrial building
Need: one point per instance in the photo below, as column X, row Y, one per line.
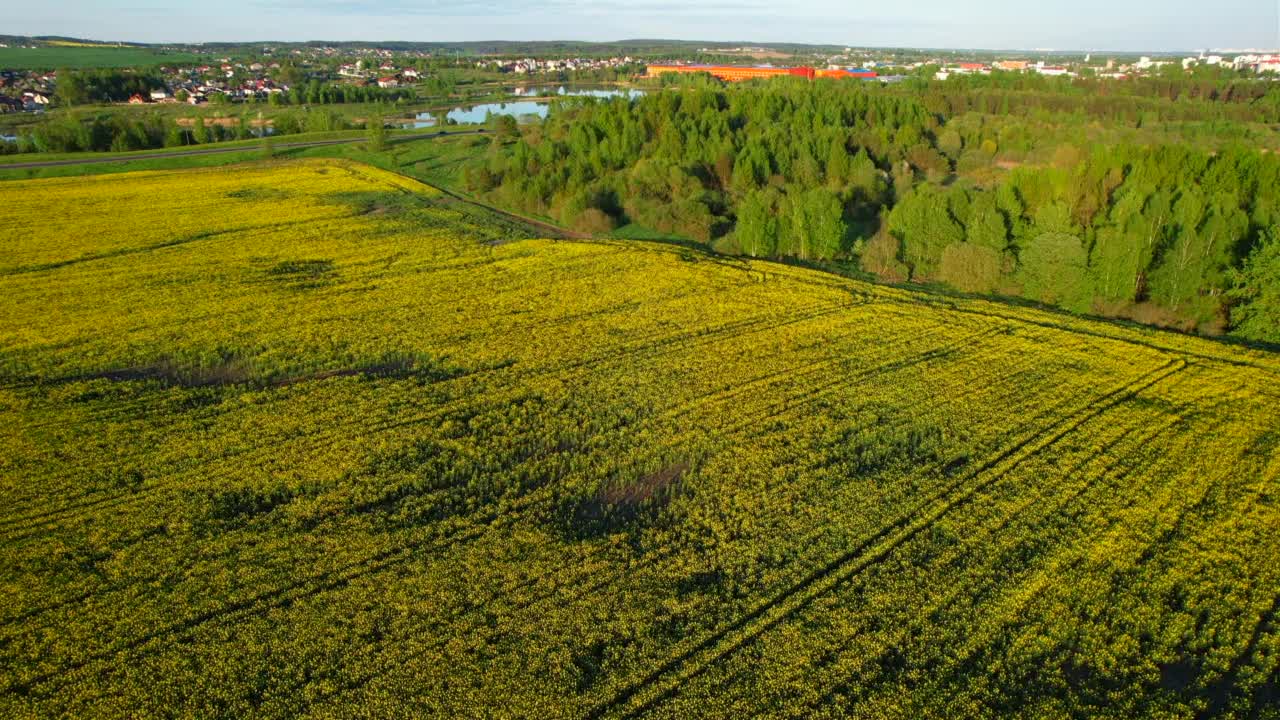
column 731, row 73
column 847, row 73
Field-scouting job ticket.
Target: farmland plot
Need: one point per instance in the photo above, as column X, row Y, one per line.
column 310, row 440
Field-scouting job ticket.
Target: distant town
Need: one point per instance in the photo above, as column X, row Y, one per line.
column 261, row 73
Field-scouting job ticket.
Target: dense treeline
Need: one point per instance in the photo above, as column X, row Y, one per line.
column 1136, row 110
column 682, row 162
column 315, row 92
column 78, row 87
column 118, row 133
column 1204, row 84
column 1123, row 230
column 990, row 201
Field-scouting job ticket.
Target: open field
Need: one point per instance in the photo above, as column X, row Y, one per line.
column 88, row 56
column 440, row 158
column 310, row 439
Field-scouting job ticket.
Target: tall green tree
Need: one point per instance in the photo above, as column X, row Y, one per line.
column 865, row 179
column 751, row 168
column 71, row 89
column 1114, row 266
column 839, row 164
column 1176, row 278
column 757, row 227
column 1256, row 291
column 987, row 226
column 199, row 132
column 815, row 225
column 1122, row 249
column 970, row 267
column 923, row 222
column 1053, row 268
column 376, row 132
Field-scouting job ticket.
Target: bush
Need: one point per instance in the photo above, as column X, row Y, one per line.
column 970, row 268
column 594, row 222
column 880, row 257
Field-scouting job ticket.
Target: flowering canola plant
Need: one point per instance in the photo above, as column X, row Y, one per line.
column 310, row 439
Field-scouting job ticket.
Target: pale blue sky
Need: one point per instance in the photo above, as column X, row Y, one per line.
column 1026, row 24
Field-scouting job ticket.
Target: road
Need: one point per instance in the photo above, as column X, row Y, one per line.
column 215, row 151
column 551, row 230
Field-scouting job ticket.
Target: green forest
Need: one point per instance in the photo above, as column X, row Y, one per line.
column 1156, row 200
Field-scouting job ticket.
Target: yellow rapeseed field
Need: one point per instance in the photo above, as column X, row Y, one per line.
column 309, row 439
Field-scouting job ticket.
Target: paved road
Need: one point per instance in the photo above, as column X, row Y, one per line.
column 215, row 151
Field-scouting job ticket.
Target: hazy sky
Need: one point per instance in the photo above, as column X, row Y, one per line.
column 1029, row 24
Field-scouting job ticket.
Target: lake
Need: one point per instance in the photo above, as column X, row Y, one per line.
column 520, row 109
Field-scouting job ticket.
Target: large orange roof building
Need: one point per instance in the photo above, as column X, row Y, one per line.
column 732, row 73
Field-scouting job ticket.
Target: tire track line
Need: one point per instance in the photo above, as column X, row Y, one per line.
column 33, row 524
column 563, row 591
column 665, row 680
column 1126, row 464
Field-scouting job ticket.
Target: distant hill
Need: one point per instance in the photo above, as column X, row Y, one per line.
column 64, row 41
column 478, row 47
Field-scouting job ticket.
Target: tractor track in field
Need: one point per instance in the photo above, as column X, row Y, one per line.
column 500, row 601
column 1071, row 563
column 15, row 529
column 339, row 578
column 70, row 512
column 812, row 395
column 274, row 597
column 1271, row 370
column 469, row 527
column 1125, row 464
column 84, row 596
column 139, row 250
column 795, row 374
column 1079, row 491
column 569, row 371
column 119, row 502
column 287, row 594
column 659, row 347
column 632, row 700
column 18, row 528
column 662, row 346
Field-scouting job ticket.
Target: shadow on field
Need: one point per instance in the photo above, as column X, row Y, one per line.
column 231, row 369
column 617, row 507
